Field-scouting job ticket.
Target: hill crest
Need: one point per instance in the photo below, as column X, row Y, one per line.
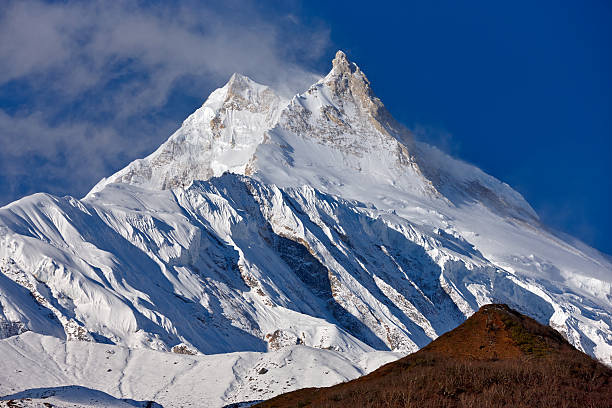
column 496, row 331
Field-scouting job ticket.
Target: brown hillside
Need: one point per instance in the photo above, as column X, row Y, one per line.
column 496, row 358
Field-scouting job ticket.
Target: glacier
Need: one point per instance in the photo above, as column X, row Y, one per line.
column 266, row 224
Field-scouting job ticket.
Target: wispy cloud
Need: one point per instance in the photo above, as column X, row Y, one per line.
column 59, row 159
column 96, row 76
column 437, row 136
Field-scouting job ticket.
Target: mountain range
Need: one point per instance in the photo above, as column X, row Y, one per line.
column 266, row 225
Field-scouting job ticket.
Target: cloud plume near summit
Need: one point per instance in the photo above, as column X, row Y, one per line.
column 95, row 80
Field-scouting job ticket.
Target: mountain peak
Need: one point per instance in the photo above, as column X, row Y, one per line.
column 220, row 136
column 348, row 83
column 341, row 64
column 244, row 91
column 495, row 332
column 237, row 76
column 241, row 81
column 237, row 79
column 346, row 75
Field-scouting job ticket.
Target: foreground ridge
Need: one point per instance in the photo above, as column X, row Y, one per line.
column 497, row 358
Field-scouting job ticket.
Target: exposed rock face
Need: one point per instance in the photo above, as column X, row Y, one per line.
column 348, row 83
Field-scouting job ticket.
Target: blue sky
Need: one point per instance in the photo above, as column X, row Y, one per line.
column 521, row 89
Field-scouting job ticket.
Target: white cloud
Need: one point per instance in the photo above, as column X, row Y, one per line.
column 113, row 65
column 82, row 43
column 62, row 158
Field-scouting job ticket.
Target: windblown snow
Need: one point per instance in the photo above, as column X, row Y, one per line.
column 314, row 230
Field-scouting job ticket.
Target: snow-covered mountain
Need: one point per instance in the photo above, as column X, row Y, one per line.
column 264, row 223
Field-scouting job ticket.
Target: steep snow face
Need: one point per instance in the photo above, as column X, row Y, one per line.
column 264, row 223
column 230, row 264
column 22, row 308
column 233, row 264
column 220, row 136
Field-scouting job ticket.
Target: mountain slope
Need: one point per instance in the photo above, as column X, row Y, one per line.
column 497, row 358
column 264, row 223
column 39, row 369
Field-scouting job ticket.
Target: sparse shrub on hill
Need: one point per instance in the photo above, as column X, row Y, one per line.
column 497, row 358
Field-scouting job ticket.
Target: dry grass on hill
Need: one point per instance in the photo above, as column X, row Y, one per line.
column 497, row 358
